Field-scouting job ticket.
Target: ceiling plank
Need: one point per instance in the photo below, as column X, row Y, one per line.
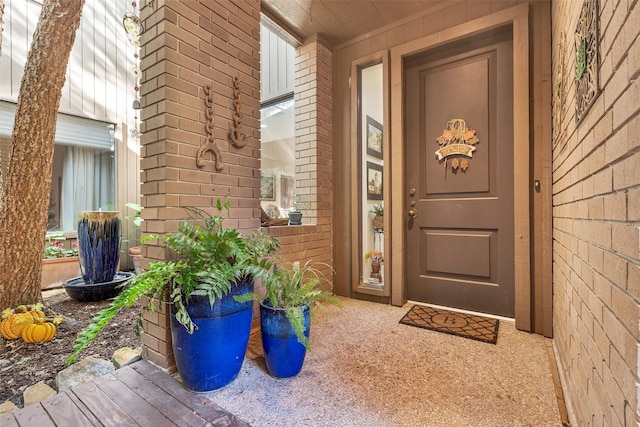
column 339, row 21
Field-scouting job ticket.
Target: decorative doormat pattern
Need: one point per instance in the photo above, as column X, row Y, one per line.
column 450, row 322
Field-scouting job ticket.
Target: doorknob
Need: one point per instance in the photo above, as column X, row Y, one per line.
column 412, row 213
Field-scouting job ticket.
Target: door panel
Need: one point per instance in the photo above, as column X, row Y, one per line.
column 471, row 78
column 460, row 243
column 444, row 249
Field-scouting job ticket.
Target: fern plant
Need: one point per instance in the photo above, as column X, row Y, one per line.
column 295, row 286
column 211, row 259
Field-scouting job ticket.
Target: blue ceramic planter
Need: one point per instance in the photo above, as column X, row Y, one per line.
column 282, row 351
column 212, row 356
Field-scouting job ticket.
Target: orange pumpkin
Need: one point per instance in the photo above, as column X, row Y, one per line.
column 39, row 331
column 13, row 325
column 5, row 331
column 37, row 314
column 16, row 322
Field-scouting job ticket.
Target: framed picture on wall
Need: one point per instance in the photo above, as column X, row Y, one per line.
column 374, row 138
column 267, row 187
column 287, row 185
column 374, row 181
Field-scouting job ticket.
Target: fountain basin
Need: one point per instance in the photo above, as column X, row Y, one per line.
column 80, row 291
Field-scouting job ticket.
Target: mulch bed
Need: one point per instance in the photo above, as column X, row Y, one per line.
column 22, row 364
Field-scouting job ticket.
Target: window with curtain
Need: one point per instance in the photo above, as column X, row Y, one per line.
column 87, row 182
column 83, row 176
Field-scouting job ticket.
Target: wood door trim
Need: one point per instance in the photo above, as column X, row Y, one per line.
column 382, row 57
column 518, row 17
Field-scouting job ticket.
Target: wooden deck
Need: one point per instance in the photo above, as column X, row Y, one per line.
column 136, row 395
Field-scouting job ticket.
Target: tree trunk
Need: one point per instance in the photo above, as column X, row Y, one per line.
column 1, row 23
column 1, row 29
column 23, row 211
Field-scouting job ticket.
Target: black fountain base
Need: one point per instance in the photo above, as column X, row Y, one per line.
column 80, row 291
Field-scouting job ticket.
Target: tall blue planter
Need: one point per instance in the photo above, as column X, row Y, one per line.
column 282, row 350
column 212, row 356
column 99, row 235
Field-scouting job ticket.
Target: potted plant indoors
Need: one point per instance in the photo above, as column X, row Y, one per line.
column 209, row 327
column 292, row 295
column 377, row 258
column 377, row 216
column 295, row 213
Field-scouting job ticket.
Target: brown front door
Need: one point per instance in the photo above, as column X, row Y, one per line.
column 460, row 243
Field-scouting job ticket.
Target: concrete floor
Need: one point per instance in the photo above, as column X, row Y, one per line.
column 366, row 369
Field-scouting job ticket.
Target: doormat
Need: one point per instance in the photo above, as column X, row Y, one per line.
column 463, row 325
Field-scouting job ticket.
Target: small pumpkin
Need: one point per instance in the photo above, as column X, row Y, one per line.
column 37, row 314
column 39, row 331
column 16, row 322
column 5, row 331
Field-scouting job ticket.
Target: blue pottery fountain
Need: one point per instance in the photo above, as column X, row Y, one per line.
column 99, row 236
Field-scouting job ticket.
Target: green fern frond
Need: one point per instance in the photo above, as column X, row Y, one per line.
column 150, row 284
column 296, row 317
column 211, row 260
column 291, row 286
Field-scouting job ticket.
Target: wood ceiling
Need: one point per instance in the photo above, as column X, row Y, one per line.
column 338, row 21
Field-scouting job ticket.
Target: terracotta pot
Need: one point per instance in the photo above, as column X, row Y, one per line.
column 56, row 271
column 136, row 257
column 375, row 276
column 378, row 222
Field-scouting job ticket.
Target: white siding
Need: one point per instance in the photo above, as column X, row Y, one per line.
column 98, row 83
column 277, row 59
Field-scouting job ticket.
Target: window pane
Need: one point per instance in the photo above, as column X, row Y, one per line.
column 372, row 167
column 278, row 154
column 86, row 181
column 82, row 179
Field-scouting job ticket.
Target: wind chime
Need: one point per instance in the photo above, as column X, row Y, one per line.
column 133, row 26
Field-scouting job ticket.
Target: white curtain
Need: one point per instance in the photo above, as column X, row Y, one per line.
column 87, row 183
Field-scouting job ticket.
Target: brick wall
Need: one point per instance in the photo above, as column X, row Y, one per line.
column 187, row 45
column 314, row 159
column 596, row 198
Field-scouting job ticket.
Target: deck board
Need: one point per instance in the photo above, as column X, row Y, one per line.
column 135, row 395
column 100, row 405
column 8, row 420
column 34, row 415
column 174, row 410
column 63, row 411
column 135, row 406
column 83, row 409
column 196, row 401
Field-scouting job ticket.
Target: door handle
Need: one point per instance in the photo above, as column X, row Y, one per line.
column 412, row 213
